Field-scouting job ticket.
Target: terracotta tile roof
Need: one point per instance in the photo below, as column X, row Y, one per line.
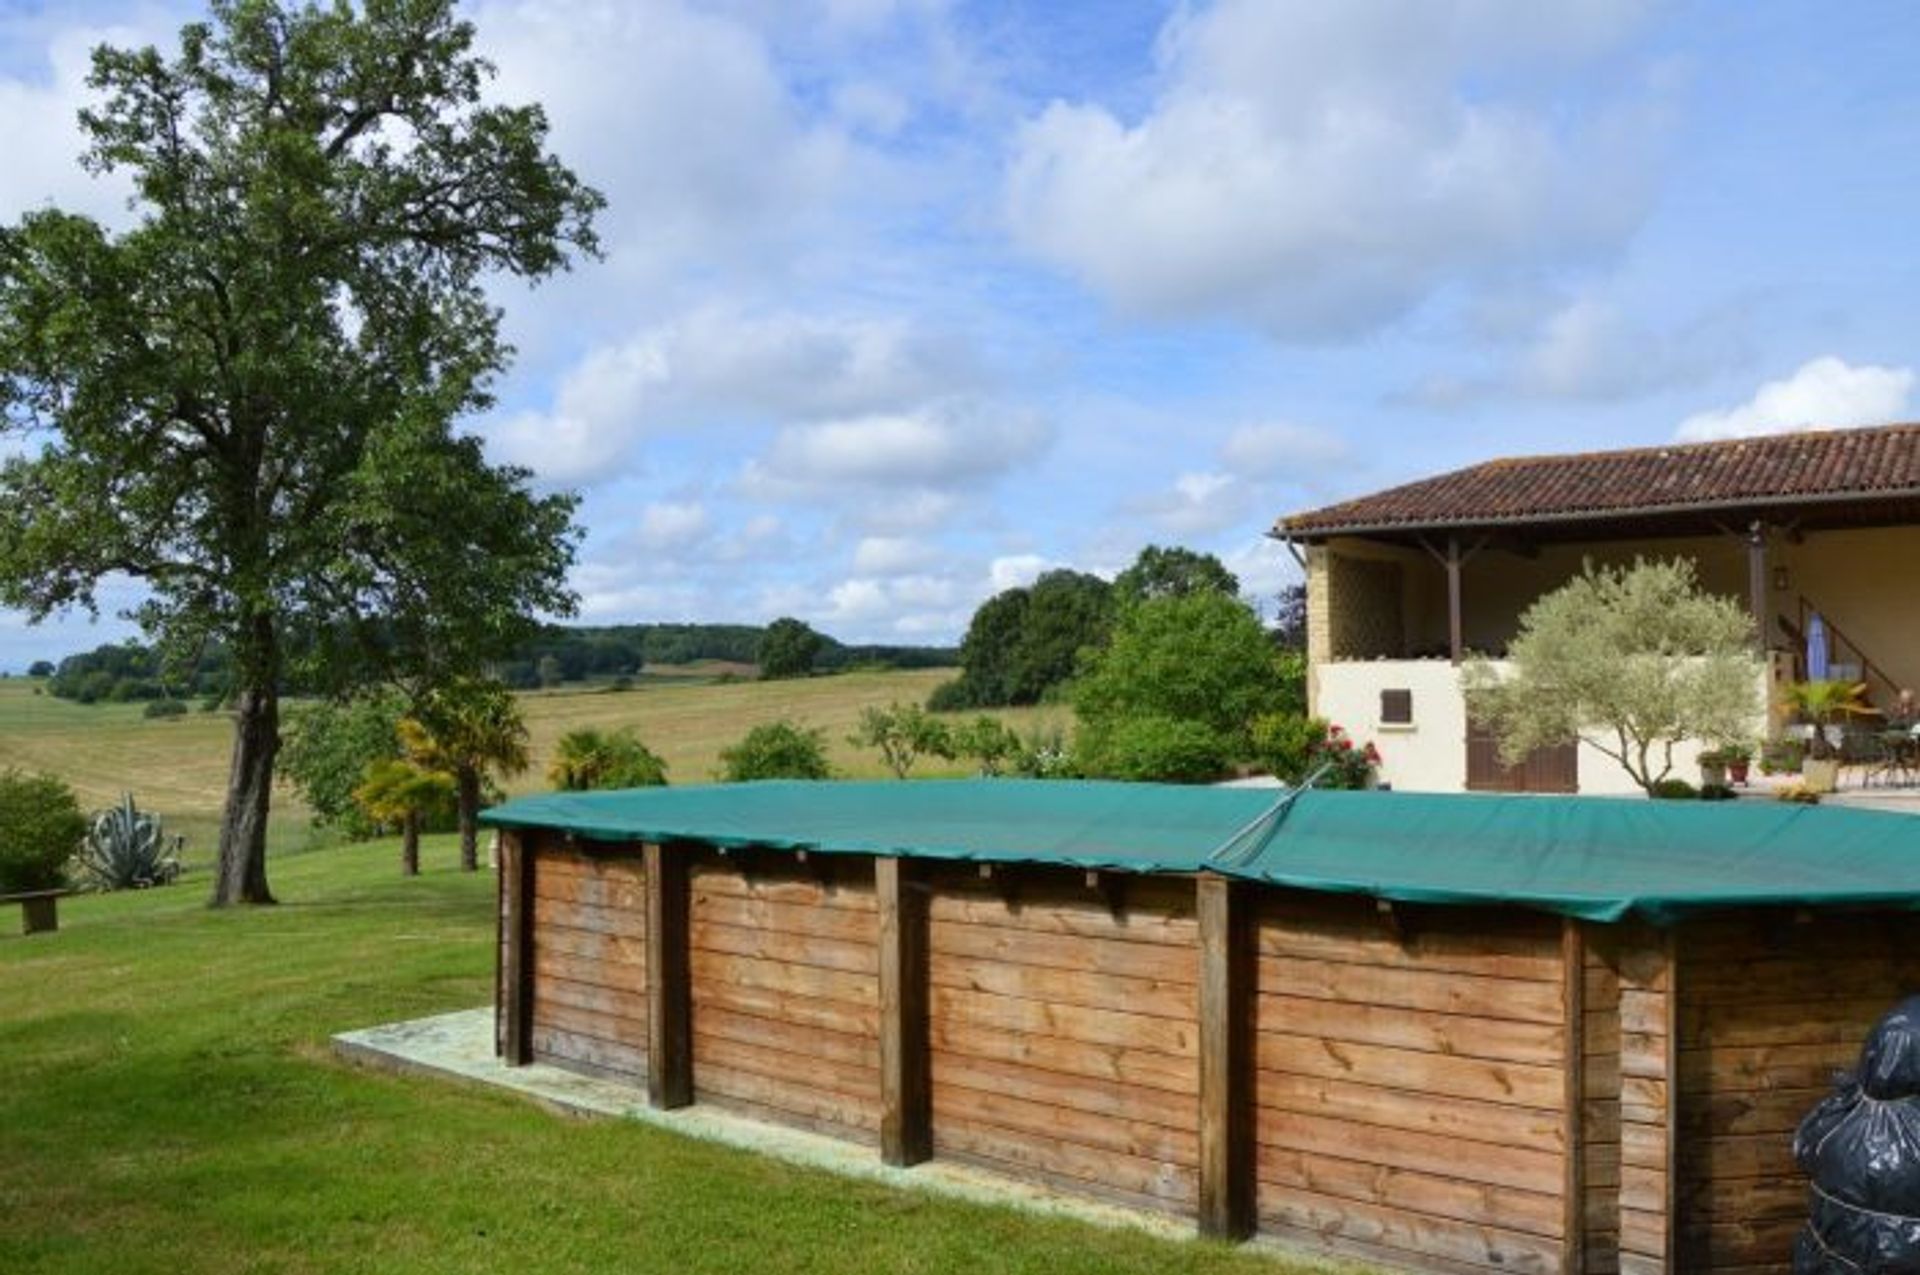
column 1786, row 468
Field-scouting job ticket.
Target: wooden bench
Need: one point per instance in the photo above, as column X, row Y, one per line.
column 39, row 909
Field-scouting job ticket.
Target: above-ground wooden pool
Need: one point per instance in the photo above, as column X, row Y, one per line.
column 1458, row 1033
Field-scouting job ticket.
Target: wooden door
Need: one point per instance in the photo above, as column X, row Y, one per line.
column 1553, row 769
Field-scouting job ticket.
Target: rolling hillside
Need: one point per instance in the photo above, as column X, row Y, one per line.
column 178, row 766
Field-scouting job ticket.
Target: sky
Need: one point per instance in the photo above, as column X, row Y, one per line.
column 905, row 301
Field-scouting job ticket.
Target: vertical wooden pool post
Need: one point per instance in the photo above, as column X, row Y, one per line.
column 1649, row 1097
column 669, row 979
column 1573, row 982
column 1226, row 1111
column 516, row 871
column 906, row 1093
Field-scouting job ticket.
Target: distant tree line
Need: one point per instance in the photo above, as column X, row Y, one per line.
column 129, row 672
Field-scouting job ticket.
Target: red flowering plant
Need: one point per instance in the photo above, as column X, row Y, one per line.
column 1348, row 765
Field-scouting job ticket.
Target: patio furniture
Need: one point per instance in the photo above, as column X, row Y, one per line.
column 1891, row 756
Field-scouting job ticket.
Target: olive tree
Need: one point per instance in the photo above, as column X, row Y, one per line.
column 1632, row 661
column 246, row 400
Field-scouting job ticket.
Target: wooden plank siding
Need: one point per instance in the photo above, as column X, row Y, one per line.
column 1064, row 1030
column 1411, row 1083
column 1770, row 1008
column 588, row 959
column 1460, row 1090
column 784, row 965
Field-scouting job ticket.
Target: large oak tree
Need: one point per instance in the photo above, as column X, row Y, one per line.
column 246, row 400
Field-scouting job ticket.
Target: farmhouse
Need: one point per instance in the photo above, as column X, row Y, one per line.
column 1459, row 1033
column 1402, row 583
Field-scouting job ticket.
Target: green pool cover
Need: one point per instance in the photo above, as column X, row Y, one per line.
column 1596, row 858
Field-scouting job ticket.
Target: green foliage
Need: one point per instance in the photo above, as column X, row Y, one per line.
column 1197, row 657
column 1717, row 792
column 1782, row 756
column 394, row 791
column 1046, row 752
column 590, row 758
column 903, row 733
column 1674, row 790
column 952, row 696
column 41, row 828
column 472, row 729
column 1294, row 747
column 988, row 741
column 121, row 672
column 328, row 752
column 1290, row 671
column 127, row 848
column 1285, row 743
column 162, row 708
column 267, row 368
column 776, row 750
column 40, row 668
column 1631, row 660
column 1824, row 704
column 788, row 649
column 1159, row 749
column 1024, row 643
column 1170, row 571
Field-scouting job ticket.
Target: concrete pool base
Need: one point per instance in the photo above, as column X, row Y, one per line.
column 459, row 1046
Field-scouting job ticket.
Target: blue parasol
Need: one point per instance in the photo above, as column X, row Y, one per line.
column 1818, row 661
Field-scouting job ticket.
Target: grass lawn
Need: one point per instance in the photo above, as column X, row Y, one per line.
column 169, row 1104
column 178, row 766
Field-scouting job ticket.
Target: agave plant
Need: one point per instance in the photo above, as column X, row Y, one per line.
column 127, row 849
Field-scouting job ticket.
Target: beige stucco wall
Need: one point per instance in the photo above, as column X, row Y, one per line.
column 1431, row 754
column 1867, row 582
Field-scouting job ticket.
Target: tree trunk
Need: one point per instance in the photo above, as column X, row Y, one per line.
column 241, row 875
column 467, row 782
column 410, row 845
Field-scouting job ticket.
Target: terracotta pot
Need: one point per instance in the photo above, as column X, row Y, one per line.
column 1738, row 770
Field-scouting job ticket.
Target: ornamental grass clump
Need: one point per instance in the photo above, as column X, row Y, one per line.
column 127, row 848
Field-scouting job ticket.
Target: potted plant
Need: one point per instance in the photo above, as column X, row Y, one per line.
column 1739, row 762
column 1823, row 705
column 1713, row 767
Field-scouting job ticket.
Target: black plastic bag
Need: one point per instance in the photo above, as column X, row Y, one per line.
column 1861, row 1147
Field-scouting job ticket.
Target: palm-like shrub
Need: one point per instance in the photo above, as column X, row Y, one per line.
column 589, row 758
column 127, row 848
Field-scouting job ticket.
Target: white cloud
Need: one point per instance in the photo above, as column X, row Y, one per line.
column 671, row 525
column 681, row 118
column 44, row 141
column 939, row 448
column 1319, row 170
column 716, row 364
column 1278, row 449
column 1016, row 570
column 1826, row 393
column 892, row 556
column 1591, row 350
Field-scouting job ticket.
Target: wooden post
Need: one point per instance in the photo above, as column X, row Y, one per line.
column 906, row 1089
column 1456, row 642
column 1573, row 982
column 1757, row 583
column 1226, row 1113
column 669, row 979
column 1649, row 1105
column 517, row 867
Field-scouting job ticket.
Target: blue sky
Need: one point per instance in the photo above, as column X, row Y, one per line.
column 907, row 300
